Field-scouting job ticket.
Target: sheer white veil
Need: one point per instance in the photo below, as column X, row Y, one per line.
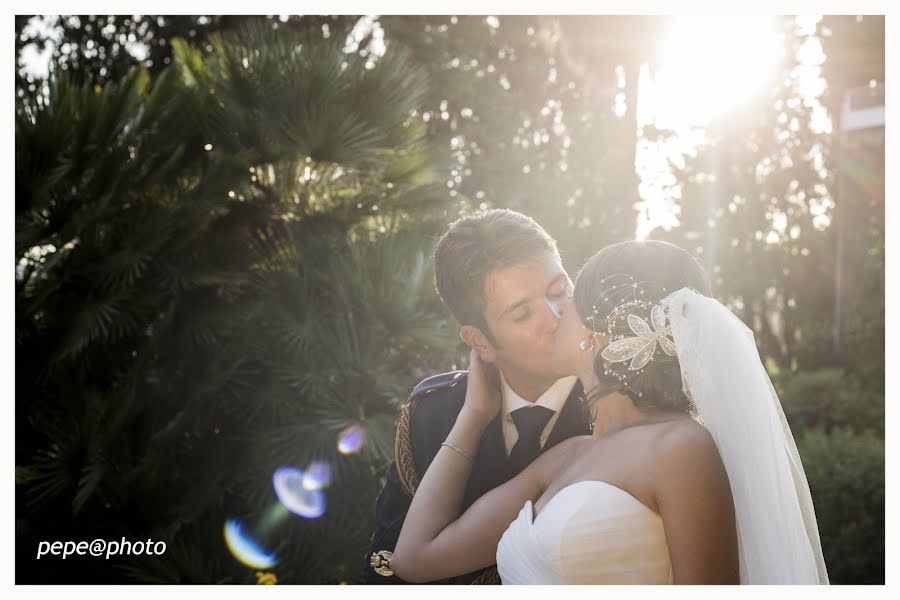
column 721, row 371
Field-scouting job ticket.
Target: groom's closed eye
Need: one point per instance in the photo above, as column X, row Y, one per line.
column 561, row 289
column 556, row 294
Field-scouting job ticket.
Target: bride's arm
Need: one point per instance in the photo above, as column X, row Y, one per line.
column 436, row 542
column 694, row 499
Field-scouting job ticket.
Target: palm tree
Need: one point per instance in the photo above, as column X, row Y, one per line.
column 208, row 268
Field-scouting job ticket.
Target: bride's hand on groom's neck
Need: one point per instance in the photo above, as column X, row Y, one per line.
column 482, row 390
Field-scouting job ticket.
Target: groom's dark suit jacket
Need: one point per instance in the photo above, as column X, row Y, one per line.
column 425, row 421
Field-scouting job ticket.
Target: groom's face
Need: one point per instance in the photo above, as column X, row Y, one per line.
column 523, row 306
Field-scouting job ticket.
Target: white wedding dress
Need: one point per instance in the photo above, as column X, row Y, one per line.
column 590, row 532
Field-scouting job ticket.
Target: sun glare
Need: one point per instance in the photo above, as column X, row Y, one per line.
column 707, row 68
column 712, row 65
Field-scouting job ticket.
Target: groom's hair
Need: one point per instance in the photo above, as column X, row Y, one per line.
column 477, row 244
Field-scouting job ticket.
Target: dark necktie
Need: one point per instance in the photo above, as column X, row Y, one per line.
column 530, row 422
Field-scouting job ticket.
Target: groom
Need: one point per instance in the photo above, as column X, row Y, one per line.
column 499, row 274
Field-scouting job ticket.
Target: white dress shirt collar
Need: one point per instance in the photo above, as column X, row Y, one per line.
column 554, row 398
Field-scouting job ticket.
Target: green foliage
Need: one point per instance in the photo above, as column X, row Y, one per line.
column 215, row 278
column 831, row 398
column 837, row 417
column 846, row 473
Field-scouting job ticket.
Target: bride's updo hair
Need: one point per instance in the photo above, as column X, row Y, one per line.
column 649, row 271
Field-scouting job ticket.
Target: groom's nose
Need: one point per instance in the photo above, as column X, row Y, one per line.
column 553, row 313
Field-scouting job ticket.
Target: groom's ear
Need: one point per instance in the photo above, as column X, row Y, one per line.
column 476, row 340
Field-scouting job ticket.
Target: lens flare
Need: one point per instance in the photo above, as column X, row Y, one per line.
column 288, row 484
column 317, row 475
column 245, row 549
column 351, row 440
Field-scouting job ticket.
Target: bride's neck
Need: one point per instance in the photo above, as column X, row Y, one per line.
column 614, row 410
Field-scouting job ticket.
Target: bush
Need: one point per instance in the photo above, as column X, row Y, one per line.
column 846, row 477
column 829, row 398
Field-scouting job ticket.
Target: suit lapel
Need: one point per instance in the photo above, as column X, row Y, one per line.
column 571, row 421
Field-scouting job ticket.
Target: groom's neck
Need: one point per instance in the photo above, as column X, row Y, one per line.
column 528, row 387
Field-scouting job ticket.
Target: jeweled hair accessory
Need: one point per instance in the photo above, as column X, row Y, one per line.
column 640, row 348
column 626, row 302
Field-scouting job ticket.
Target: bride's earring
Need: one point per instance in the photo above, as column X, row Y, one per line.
column 586, row 345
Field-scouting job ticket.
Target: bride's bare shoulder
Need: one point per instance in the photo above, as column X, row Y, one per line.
column 685, row 439
column 572, row 445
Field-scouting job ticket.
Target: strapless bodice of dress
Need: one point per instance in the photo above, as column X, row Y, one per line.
column 590, row 532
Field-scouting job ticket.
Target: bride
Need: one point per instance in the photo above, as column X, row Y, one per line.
column 690, row 475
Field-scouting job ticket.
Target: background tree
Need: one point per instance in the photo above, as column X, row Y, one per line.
column 526, row 105
column 190, row 243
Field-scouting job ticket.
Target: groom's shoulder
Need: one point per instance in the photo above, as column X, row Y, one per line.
column 425, row 421
column 438, row 395
column 441, row 381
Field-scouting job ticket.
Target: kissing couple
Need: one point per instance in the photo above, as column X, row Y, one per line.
column 618, row 430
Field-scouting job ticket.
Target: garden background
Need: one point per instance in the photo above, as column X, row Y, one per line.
column 224, row 229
